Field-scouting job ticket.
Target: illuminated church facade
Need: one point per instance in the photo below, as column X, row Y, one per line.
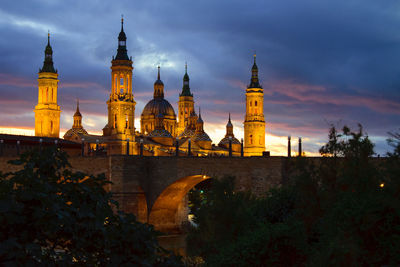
column 162, row 131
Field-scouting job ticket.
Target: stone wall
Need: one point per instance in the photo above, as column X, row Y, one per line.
column 158, row 185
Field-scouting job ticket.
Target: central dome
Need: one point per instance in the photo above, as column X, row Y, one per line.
column 158, row 106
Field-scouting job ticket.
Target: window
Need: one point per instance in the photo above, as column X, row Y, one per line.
column 126, row 121
column 250, row 104
column 255, row 103
column 115, row 120
column 121, row 81
column 251, row 139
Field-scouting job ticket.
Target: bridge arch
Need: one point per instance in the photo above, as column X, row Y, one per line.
column 169, row 209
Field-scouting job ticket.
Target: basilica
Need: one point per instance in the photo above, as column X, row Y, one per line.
column 163, row 132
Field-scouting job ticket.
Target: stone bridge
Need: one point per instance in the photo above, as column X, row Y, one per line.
column 155, row 188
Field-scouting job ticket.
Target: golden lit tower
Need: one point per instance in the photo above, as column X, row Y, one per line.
column 47, row 111
column 254, row 123
column 185, row 104
column 121, row 105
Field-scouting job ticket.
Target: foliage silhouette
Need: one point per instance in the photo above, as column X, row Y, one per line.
column 55, row 217
column 342, row 210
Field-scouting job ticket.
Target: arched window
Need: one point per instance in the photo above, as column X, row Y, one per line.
column 126, row 121
column 255, row 103
column 251, row 139
column 250, row 103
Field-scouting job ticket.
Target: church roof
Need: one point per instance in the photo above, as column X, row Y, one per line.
column 188, row 132
column 74, row 131
column 157, row 106
column 202, row 136
column 160, row 133
column 225, row 140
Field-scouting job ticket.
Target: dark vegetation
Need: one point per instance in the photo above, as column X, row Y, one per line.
column 341, row 210
column 50, row 216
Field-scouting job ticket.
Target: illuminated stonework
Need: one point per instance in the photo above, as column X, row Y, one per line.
column 254, row 123
column 158, row 105
column 121, row 105
column 47, row 111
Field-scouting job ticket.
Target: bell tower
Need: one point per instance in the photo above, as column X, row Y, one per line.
column 185, row 104
column 121, row 105
column 254, row 123
column 47, row 111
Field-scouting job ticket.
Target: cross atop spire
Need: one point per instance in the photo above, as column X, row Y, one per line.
column 158, row 76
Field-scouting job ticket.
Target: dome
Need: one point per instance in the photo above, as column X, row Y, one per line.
column 201, row 137
column 157, row 106
column 225, row 140
column 160, row 133
column 188, row 132
column 74, row 131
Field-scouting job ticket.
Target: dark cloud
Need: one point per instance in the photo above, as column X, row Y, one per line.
column 320, row 62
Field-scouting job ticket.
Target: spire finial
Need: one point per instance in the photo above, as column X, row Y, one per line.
column 48, row 37
column 199, row 112
column 158, row 76
column 77, row 104
column 185, row 66
column 122, row 22
column 229, row 117
column 255, row 55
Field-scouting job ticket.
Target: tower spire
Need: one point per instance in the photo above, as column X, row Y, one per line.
column 229, row 127
column 158, row 86
column 122, row 53
column 254, row 81
column 77, row 112
column 48, row 58
column 186, row 87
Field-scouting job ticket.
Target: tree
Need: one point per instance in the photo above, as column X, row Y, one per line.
column 53, row 216
column 342, row 209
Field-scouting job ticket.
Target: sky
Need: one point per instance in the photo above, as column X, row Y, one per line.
column 320, row 62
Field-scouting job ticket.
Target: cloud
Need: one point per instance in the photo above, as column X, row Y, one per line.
column 319, row 61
